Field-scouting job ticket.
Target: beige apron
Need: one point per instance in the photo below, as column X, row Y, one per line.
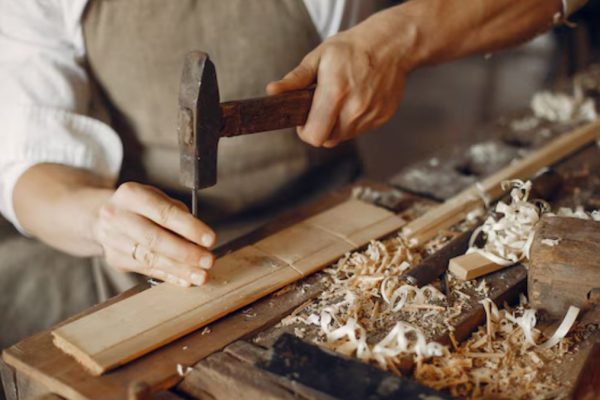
column 135, row 51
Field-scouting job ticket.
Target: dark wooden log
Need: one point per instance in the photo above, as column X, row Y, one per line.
column 340, row 377
column 565, row 265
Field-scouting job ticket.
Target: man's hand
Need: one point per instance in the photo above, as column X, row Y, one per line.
column 360, row 73
column 143, row 230
column 360, row 83
column 135, row 227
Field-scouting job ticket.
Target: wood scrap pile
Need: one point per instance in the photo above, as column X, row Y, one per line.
column 369, row 312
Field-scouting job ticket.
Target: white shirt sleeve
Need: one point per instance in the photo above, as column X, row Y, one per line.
column 332, row 16
column 46, row 102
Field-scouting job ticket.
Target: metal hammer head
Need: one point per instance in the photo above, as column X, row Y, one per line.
column 199, row 122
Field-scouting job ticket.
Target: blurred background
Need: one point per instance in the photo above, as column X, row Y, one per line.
column 445, row 105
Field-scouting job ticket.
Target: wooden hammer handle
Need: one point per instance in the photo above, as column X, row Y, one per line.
column 265, row 113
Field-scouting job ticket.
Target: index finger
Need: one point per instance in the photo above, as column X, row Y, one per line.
column 166, row 212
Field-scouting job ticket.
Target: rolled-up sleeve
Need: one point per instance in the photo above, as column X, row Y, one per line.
column 48, row 113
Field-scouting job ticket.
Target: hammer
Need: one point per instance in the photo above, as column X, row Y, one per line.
column 203, row 120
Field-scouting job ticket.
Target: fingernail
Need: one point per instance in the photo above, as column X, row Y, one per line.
column 160, row 274
column 198, row 279
column 207, row 240
column 206, row 262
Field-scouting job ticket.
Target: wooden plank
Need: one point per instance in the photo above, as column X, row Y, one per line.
column 133, row 327
column 232, row 374
column 442, row 217
column 471, row 266
column 40, row 361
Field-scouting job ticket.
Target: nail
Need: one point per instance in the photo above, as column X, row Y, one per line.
column 206, row 262
column 198, row 279
column 207, row 240
column 160, row 274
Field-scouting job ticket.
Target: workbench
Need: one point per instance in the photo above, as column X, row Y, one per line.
column 228, row 358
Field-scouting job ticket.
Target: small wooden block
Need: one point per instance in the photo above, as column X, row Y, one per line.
column 471, row 266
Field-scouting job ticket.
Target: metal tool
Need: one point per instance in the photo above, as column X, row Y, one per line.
column 203, row 120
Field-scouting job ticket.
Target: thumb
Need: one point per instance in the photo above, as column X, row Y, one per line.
column 300, row 77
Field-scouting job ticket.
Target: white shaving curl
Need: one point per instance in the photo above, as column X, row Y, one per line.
column 559, row 107
column 408, row 294
column 509, row 238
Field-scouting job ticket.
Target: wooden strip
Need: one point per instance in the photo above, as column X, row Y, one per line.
column 38, row 358
column 133, row 327
column 471, row 266
column 441, row 217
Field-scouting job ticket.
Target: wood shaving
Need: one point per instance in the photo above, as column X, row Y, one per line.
column 206, row 331
column 560, row 107
column 498, row 361
column 578, row 212
column 550, row 242
column 183, row 371
column 508, row 238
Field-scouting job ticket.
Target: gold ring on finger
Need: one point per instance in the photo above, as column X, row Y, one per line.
column 134, row 250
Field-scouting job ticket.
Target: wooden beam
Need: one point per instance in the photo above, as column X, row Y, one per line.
column 457, row 208
column 137, row 325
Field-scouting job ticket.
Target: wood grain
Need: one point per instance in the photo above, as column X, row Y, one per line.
column 564, row 267
column 135, row 326
column 471, row 266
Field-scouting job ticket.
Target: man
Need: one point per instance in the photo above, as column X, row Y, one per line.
column 89, row 102
column 60, row 165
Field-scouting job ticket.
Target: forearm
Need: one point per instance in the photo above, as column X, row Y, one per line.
column 59, row 206
column 444, row 30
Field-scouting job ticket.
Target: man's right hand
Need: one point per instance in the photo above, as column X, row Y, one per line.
column 142, row 230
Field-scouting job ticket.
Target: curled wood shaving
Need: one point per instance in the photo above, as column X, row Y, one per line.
column 183, row 371
column 559, row 107
column 500, row 360
column 509, row 237
column 564, row 328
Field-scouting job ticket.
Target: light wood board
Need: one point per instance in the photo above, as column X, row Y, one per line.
column 135, row 326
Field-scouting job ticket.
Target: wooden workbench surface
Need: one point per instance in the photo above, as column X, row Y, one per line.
column 224, row 356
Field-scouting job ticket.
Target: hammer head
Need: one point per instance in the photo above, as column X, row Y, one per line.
column 199, row 122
